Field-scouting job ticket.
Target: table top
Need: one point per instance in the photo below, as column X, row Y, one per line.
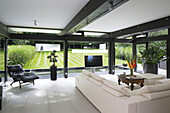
column 130, row 77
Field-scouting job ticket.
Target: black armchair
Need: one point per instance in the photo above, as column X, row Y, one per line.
column 17, row 73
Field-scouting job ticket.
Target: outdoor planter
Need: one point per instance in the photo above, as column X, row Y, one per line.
column 152, row 56
column 150, row 68
column 53, row 74
column 53, row 68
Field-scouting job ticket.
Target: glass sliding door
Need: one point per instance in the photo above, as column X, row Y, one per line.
column 2, row 57
column 162, row 65
column 140, row 62
column 122, row 49
column 34, row 54
column 78, row 51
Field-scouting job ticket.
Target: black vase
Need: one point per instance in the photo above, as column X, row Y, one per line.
column 53, row 70
column 150, row 68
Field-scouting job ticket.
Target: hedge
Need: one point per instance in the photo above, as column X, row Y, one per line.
column 20, row 54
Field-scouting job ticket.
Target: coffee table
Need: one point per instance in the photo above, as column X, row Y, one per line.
column 131, row 79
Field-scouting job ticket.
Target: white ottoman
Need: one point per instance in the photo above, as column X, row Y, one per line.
column 151, row 79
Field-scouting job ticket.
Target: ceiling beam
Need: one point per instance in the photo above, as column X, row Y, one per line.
column 123, row 40
column 33, row 27
column 142, row 28
column 3, row 30
column 55, row 37
column 35, row 37
column 93, row 10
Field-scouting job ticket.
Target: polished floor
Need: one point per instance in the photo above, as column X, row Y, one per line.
column 46, row 96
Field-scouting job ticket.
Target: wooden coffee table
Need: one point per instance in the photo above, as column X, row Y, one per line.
column 131, row 79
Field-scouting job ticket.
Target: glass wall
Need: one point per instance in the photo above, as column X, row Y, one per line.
column 1, row 57
column 33, row 55
column 158, row 33
column 162, row 65
column 122, row 49
column 78, row 51
column 140, row 47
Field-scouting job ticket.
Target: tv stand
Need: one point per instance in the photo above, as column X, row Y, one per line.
column 93, row 69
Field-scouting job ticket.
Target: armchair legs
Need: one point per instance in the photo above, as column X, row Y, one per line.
column 12, row 83
column 20, row 83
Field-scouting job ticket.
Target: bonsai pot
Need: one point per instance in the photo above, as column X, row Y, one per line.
column 53, row 70
column 150, row 68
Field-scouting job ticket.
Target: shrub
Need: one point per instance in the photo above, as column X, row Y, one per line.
column 20, row 54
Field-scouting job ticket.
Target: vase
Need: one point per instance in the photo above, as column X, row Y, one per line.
column 131, row 71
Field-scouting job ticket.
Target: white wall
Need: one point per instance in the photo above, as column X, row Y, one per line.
column 48, row 47
column 102, row 46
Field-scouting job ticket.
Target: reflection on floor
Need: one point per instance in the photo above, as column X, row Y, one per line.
column 46, row 96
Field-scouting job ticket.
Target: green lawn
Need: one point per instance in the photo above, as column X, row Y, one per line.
column 74, row 60
column 1, row 60
column 39, row 60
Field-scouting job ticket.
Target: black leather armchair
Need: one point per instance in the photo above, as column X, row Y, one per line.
column 17, row 73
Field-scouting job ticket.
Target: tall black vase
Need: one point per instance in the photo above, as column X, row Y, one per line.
column 53, row 70
column 151, row 68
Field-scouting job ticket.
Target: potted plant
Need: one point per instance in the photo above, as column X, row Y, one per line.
column 152, row 56
column 53, row 68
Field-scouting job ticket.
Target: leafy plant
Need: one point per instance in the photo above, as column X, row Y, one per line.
column 53, row 57
column 20, row 54
column 153, row 55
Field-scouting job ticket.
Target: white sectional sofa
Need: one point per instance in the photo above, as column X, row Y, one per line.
column 109, row 97
column 151, row 79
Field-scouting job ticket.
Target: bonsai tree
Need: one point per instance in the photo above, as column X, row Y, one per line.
column 152, row 57
column 53, row 57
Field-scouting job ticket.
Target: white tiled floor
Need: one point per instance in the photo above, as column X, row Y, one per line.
column 46, row 96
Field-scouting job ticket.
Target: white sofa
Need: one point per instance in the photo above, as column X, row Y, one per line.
column 108, row 97
column 151, row 79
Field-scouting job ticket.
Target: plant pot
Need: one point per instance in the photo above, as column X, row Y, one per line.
column 150, row 68
column 53, row 70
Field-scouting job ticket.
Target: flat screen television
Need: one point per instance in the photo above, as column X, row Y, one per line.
column 93, row 61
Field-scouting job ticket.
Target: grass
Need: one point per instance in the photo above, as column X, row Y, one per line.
column 74, row 60
column 1, row 60
column 40, row 61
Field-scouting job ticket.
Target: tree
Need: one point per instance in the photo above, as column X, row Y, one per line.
column 20, row 42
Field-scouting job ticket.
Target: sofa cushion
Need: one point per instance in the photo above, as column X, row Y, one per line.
column 151, row 76
column 84, row 76
column 112, row 91
column 157, row 95
column 95, row 81
column 163, row 81
column 97, row 77
column 86, row 72
column 154, row 88
column 116, row 87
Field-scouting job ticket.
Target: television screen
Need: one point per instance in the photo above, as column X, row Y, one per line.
column 93, row 61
